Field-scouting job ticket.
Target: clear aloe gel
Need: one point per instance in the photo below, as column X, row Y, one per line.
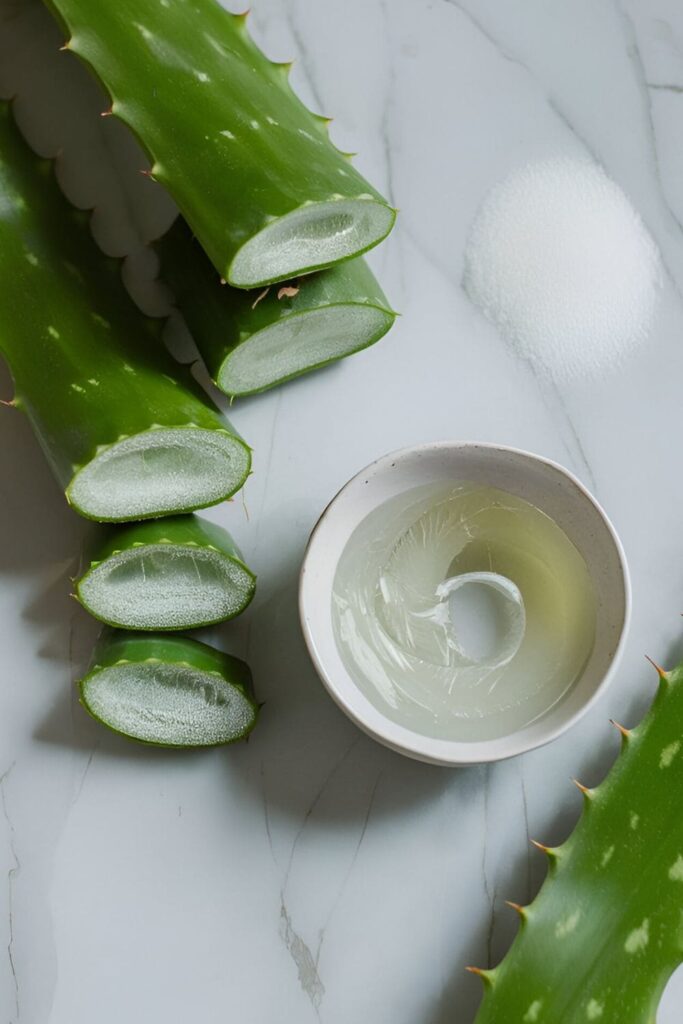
column 462, row 612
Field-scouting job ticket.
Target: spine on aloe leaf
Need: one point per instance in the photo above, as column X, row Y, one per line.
column 603, row 936
column 169, row 691
column 128, row 432
column 251, row 168
column 253, row 340
column 176, row 573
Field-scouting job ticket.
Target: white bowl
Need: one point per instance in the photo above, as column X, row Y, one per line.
column 542, row 483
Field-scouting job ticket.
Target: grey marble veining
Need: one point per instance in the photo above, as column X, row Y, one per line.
column 310, row 875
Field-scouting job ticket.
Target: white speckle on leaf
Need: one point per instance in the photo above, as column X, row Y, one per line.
column 676, row 869
column 144, row 32
column 271, row 120
column 634, row 820
column 100, row 320
column 32, row 258
column 607, row 856
column 638, row 938
column 668, row 754
column 95, row 383
column 533, row 1011
column 52, row 331
column 567, row 925
column 594, row 1010
column 128, row 368
column 77, row 387
column 202, row 76
column 227, row 134
column 254, row 124
column 306, row 135
column 343, row 173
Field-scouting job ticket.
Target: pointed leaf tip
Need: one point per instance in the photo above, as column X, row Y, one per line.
column 542, row 847
column 517, row 907
column 622, row 729
column 658, row 668
column 583, row 789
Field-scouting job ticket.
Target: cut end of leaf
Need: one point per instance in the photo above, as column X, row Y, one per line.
column 299, row 343
column 166, row 587
column 168, row 704
column 316, row 235
column 160, row 472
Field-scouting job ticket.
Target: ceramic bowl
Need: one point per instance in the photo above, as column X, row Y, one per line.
column 539, row 481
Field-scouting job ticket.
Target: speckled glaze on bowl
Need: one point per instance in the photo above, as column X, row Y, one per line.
column 546, row 485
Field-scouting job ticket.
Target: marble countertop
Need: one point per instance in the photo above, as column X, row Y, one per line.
column 310, row 875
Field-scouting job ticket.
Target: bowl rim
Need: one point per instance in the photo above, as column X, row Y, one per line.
column 463, row 752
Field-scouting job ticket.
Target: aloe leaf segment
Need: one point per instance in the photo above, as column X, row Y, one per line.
column 128, row 432
column 253, row 340
column 169, row 690
column 604, row 935
column 251, row 168
column 180, row 572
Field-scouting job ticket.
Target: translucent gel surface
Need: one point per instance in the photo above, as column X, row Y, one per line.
column 166, row 586
column 315, row 235
column 167, row 703
column 299, row 343
column 160, row 472
column 462, row 612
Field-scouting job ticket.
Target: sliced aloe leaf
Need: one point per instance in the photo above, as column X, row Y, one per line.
column 253, row 171
column 169, row 691
column 175, row 573
column 252, row 340
column 127, row 431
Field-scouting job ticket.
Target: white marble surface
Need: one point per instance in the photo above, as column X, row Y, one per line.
column 311, row 875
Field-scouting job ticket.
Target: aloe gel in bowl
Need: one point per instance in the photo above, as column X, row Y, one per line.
column 462, row 612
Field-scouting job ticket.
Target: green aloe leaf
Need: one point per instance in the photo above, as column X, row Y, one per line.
column 252, row 170
column 605, row 933
column 253, row 340
column 128, row 432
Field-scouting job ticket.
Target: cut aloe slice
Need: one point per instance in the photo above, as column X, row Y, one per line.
column 177, row 573
column 314, row 236
column 251, row 341
column 169, row 691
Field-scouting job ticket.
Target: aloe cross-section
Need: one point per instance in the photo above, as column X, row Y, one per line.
column 128, row 432
column 176, row 573
column 169, row 691
column 253, row 171
column 253, row 340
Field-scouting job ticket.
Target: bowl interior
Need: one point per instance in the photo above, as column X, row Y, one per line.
column 540, row 482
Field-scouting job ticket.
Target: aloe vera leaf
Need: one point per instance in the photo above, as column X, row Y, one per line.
column 176, row 573
column 168, row 691
column 251, row 168
column 127, row 431
column 605, row 933
column 253, row 340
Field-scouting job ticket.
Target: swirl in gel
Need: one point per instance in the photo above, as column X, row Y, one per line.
column 462, row 612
